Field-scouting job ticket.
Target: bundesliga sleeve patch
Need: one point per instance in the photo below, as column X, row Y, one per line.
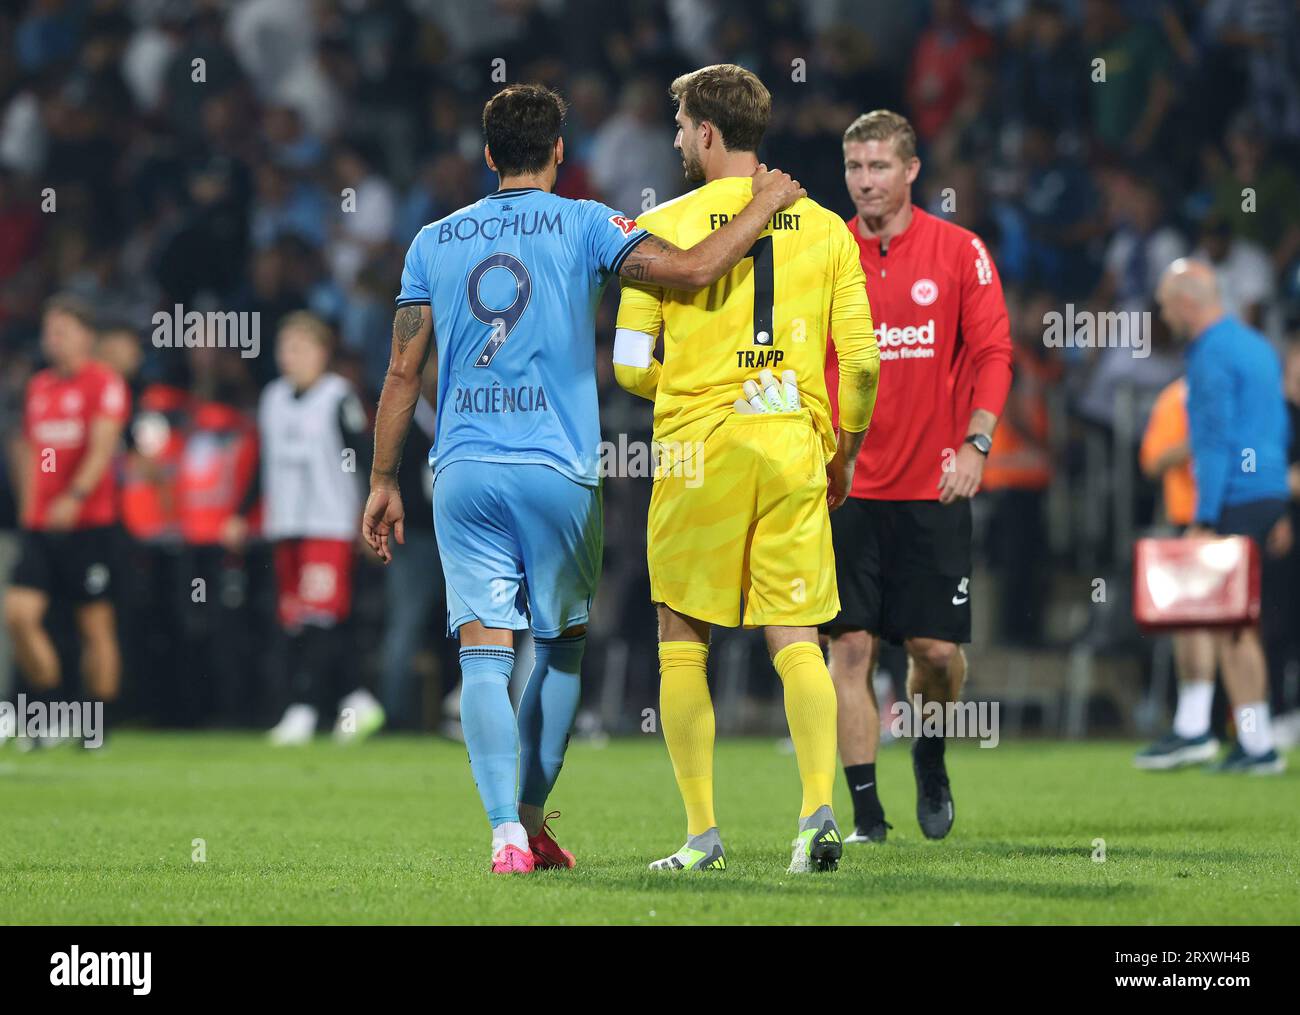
column 626, row 225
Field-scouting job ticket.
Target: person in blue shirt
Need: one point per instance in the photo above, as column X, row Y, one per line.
column 508, row 287
column 1238, row 435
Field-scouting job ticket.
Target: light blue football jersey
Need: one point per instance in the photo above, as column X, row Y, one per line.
column 513, row 281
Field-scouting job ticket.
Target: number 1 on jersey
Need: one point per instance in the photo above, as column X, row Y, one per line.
column 764, row 290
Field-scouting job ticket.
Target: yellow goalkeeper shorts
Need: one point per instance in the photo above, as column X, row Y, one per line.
column 743, row 524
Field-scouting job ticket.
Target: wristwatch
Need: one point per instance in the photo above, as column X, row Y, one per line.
column 982, row 443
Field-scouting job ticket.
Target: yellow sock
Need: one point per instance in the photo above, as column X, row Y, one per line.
column 810, row 711
column 686, row 714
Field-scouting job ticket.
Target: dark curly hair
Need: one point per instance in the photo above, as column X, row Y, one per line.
column 521, row 124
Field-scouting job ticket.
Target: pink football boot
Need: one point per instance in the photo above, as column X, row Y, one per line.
column 512, row 860
column 547, row 853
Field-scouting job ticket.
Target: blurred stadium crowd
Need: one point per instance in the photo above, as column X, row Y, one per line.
column 291, row 167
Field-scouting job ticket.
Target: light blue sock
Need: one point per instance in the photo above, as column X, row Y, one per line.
column 488, row 721
column 546, row 711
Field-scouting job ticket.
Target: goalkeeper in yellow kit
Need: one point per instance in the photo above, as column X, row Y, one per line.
column 739, row 525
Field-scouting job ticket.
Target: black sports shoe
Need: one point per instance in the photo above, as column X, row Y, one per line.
column 870, row 832
column 1237, row 760
column 934, row 810
column 1173, row 751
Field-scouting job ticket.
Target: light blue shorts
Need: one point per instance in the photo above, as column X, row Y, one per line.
column 520, row 546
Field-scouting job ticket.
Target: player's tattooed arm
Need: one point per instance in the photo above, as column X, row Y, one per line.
column 406, row 325
column 645, row 262
column 656, row 260
column 412, row 341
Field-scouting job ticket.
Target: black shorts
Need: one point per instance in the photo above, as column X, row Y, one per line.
column 1255, row 519
column 77, row 566
column 903, row 569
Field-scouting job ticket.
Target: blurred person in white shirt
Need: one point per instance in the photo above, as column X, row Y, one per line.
column 368, row 209
column 633, row 163
column 1245, row 272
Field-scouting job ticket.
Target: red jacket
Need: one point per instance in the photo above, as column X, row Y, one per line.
column 149, row 509
column 217, row 470
column 945, row 350
column 57, row 419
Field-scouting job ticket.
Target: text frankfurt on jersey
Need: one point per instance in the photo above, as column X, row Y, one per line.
column 781, row 220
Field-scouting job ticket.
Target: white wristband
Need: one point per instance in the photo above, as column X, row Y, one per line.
column 632, row 348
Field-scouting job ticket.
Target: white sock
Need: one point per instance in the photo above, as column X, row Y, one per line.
column 1192, row 717
column 359, row 700
column 509, row 833
column 298, row 708
column 1254, row 729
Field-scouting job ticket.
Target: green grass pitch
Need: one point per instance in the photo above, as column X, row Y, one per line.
column 391, row 832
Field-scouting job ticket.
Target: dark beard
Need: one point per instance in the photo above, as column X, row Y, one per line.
column 693, row 171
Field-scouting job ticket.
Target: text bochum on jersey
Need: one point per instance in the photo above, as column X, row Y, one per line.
column 513, row 282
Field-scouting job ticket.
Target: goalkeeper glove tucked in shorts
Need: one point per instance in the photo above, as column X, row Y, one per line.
column 767, row 394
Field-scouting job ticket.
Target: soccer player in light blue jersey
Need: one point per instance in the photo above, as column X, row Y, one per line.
column 508, row 288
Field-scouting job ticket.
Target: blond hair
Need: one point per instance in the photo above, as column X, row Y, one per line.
column 312, row 324
column 884, row 125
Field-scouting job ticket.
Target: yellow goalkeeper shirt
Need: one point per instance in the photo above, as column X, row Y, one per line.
column 801, row 279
